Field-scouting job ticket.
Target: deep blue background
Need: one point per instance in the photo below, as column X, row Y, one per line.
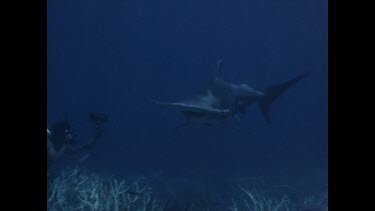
column 115, row 56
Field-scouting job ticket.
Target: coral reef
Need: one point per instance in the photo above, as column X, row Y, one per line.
column 259, row 201
column 77, row 190
column 255, row 201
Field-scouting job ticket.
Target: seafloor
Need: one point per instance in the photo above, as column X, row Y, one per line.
column 79, row 189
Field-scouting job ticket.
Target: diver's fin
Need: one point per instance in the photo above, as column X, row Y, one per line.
column 275, row 91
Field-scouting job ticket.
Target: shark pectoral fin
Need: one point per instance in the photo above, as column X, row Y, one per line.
column 169, row 105
column 187, row 107
column 158, row 102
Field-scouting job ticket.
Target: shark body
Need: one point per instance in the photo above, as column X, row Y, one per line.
column 221, row 99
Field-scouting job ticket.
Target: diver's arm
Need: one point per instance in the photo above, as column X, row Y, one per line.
column 52, row 152
column 88, row 145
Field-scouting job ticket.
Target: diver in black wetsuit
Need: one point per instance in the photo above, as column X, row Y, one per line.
column 62, row 137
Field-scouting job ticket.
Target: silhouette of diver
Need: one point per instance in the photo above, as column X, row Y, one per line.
column 62, row 137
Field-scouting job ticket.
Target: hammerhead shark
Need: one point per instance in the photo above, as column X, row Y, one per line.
column 220, row 99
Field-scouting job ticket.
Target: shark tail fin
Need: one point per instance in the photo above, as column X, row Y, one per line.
column 275, row 91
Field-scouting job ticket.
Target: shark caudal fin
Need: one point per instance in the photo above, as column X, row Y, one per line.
column 275, row 91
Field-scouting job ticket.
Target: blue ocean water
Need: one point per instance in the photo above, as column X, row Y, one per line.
column 116, row 56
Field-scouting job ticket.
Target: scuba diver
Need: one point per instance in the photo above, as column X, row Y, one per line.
column 62, row 137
